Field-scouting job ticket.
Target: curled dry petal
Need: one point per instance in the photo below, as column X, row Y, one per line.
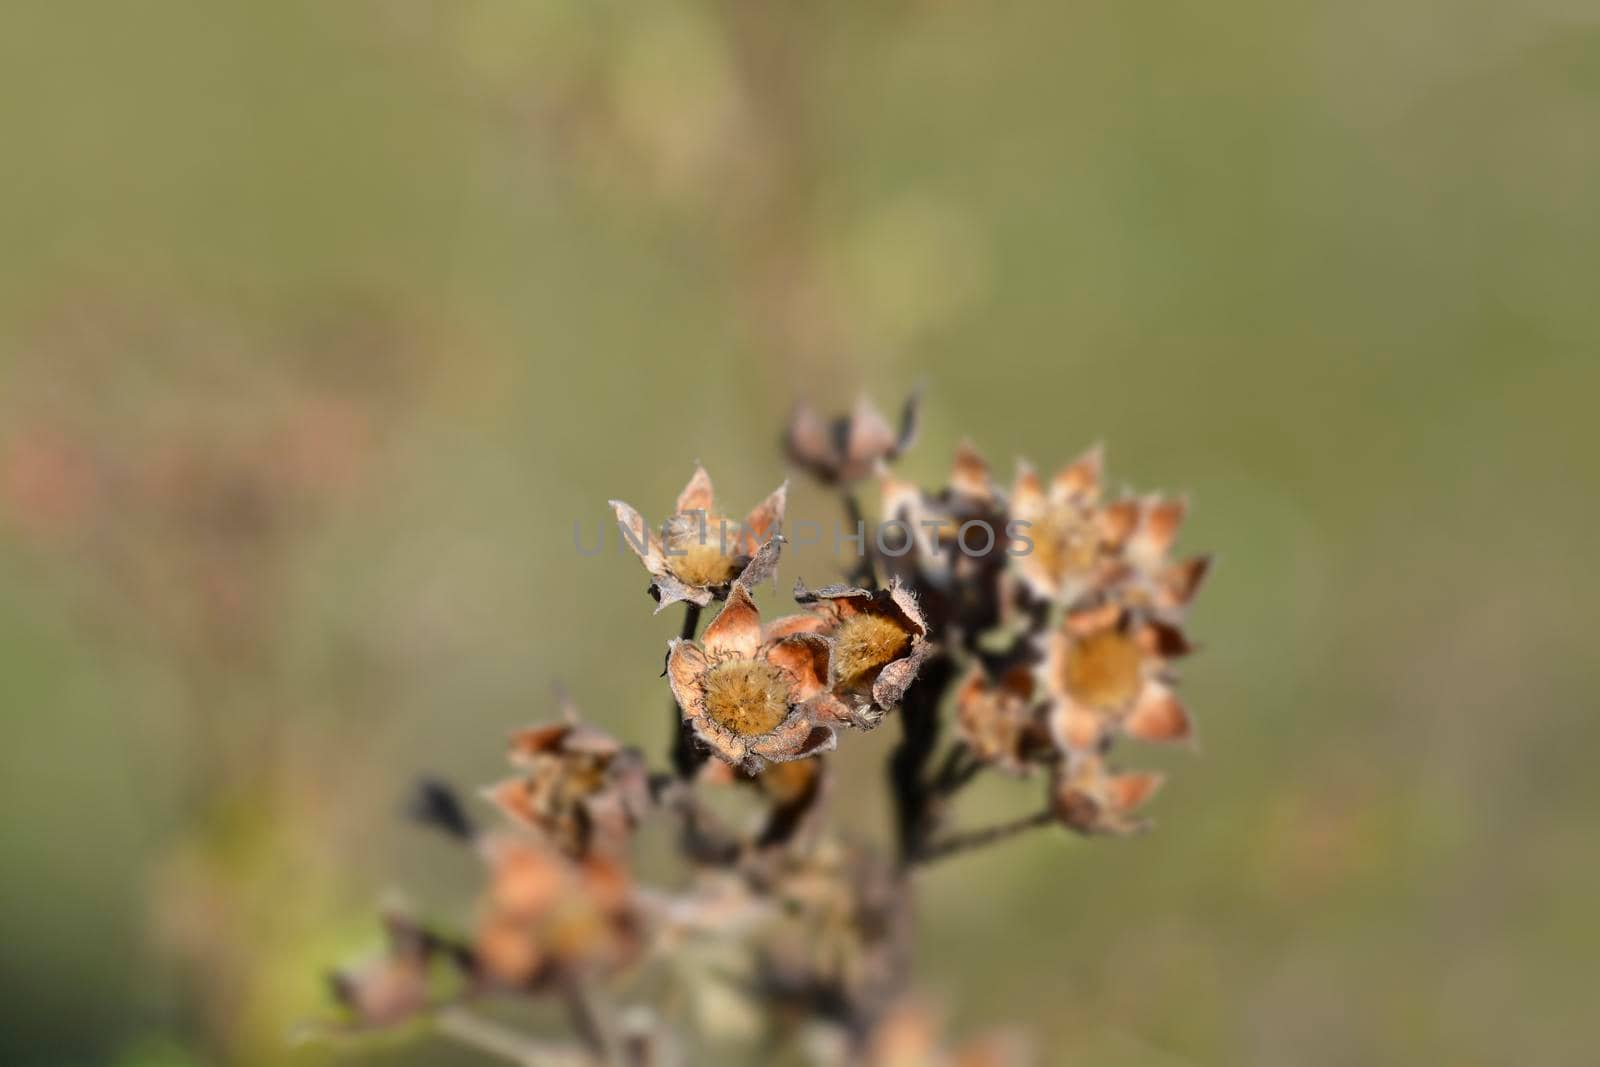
column 805, row 656
column 669, row 590
column 809, row 441
column 686, row 664
column 1129, row 792
column 737, row 627
column 797, row 738
column 1158, row 715
column 1182, row 581
column 638, row 536
column 969, row 474
column 1075, row 728
column 905, row 601
column 697, row 494
column 869, row 435
column 558, row 738
column 1117, row 522
column 764, row 520
column 764, row 564
column 805, row 622
column 1162, row 640
column 1090, row 799
column 1080, row 479
column 895, row 678
column 1159, row 530
column 1027, row 492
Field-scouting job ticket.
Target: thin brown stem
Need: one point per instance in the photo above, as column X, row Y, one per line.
column 862, row 572
column 592, row 1019
column 687, row 756
column 956, row 770
column 968, row 840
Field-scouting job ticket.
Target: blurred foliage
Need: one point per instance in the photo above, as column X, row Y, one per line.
column 320, row 326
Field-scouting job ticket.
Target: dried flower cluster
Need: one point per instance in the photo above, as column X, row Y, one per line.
column 1041, row 625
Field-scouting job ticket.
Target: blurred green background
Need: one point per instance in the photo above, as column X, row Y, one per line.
column 320, row 325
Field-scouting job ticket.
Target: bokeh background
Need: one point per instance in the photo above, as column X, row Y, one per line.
column 320, row 326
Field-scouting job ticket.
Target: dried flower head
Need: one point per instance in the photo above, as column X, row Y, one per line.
column 880, row 639
column 547, row 916
column 579, row 787
column 753, row 701
column 1088, row 797
column 1074, row 538
column 852, row 446
column 1147, row 576
column 1105, row 671
column 402, row 982
column 699, row 552
column 997, row 719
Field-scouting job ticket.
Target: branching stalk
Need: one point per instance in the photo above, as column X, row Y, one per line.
column 968, row 840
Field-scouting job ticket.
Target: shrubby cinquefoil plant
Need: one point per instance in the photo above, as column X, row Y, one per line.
column 1031, row 633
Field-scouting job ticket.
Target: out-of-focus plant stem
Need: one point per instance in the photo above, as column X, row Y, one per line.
column 914, row 799
column 989, row 835
column 474, row 1031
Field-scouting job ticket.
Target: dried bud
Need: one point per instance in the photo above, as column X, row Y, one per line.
column 850, row 447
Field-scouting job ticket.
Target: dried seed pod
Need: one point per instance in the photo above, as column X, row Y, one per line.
column 852, row 446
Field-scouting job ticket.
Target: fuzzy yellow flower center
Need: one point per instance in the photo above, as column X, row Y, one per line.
column 866, row 642
column 555, row 784
column 746, row 697
column 1064, row 542
column 578, row 777
column 697, row 555
column 1103, row 671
